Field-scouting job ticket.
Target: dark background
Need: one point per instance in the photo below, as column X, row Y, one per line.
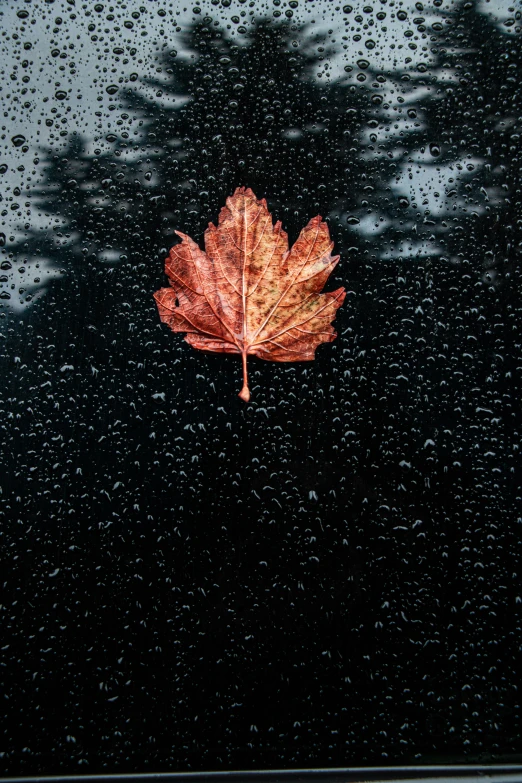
column 329, row 575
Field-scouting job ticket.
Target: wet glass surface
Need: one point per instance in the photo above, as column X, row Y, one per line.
column 328, row 575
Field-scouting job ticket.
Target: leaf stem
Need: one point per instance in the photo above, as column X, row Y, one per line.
column 245, row 391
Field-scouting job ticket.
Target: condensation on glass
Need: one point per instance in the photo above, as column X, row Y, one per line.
column 328, row 575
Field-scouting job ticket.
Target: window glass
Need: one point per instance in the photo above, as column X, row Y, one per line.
column 327, row 575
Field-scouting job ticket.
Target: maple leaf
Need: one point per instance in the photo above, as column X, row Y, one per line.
column 249, row 294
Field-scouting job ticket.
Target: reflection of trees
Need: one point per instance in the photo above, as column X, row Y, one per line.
column 477, row 126
column 253, row 117
column 459, row 118
column 229, row 115
column 459, row 138
column 248, row 113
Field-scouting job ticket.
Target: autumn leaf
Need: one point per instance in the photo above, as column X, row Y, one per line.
column 248, row 294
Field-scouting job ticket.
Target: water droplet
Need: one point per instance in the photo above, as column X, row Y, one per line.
column 60, row 95
column 3, row 168
column 363, row 64
column 370, row 44
column 2, row 239
column 352, row 220
column 434, row 150
column 112, row 89
column 18, row 140
column 404, row 202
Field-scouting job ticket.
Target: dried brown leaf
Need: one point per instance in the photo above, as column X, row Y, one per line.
column 249, row 294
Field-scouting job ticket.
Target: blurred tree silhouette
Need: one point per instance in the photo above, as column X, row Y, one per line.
column 477, row 127
column 458, row 145
column 251, row 114
column 256, row 116
column 460, row 122
column 232, row 114
column 229, row 115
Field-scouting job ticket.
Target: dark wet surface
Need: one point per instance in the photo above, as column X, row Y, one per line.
column 329, row 575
